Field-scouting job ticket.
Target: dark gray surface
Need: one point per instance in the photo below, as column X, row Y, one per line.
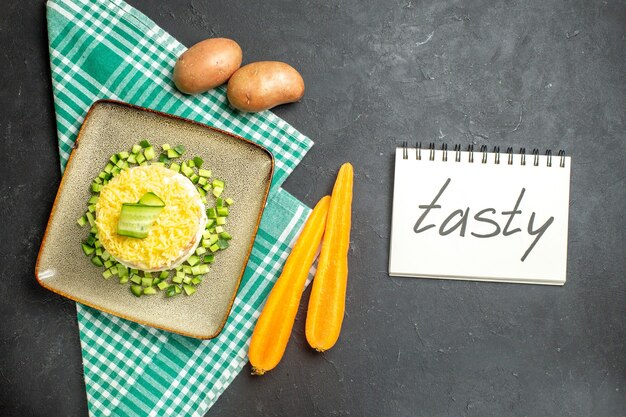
column 544, row 74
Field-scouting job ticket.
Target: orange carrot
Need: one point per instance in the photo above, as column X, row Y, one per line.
column 328, row 296
column 274, row 326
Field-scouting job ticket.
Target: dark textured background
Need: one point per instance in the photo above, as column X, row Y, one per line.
column 545, row 74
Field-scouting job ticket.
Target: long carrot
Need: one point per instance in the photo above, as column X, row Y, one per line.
column 328, row 296
column 272, row 331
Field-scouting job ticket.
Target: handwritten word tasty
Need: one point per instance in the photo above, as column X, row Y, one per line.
column 459, row 218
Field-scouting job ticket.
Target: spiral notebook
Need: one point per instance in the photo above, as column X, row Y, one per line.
column 479, row 215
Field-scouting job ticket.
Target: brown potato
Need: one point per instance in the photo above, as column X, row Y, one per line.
column 206, row 65
column 263, row 85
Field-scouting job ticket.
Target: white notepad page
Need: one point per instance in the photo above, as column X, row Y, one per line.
column 438, row 250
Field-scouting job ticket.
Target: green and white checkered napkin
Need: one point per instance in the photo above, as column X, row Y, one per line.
column 107, row 49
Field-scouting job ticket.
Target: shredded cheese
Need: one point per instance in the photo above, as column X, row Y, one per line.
column 174, row 232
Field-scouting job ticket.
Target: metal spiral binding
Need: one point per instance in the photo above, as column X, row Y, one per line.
column 484, row 151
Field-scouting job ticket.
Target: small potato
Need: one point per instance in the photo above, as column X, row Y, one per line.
column 263, row 85
column 206, row 65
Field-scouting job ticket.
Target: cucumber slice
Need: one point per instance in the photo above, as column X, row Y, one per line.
column 206, row 173
column 151, row 199
column 171, row 153
column 189, row 290
column 136, row 220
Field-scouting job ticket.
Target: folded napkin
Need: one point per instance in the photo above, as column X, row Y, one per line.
column 107, row 49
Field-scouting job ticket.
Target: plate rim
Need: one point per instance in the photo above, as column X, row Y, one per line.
column 73, row 297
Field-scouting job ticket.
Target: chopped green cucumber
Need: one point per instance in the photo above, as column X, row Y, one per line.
column 137, row 219
column 177, row 279
column 187, row 269
column 108, row 263
column 146, row 282
column 122, row 271
column 217, row 191
column 164, row 274
column 162, row 285
column 202, row 181
column 96, row 188
column 177, row 289
column 140, row 158
column 220, row 221
column 171, row 153
column 222, row 211
column 205, row 173
column 166, row 146
column 123, row 155
column 196, row 280
column 175, row 167
column 200, row 269
column 82, row 220
column 108, row 168
column 194, row 178
column 186, row 170
column 123, row 280
column 214, row 248
column 180, row 149
column 193, row 260
column 107, row 274
column 136, row 290
column 191, row 163
column 187, row 280
column 209, row 258
column 171, row 291
column 223, row 244
column 189, row 290
column 136, row 279
column 132, row 159
column 149, row 153
column 211, row 213
column 218, row 183
column 200, row 250
column 198, row 161
column 91, row 240
column 225, row 236
column 211, row 222
column 114, row 159
column 144, row 144
column 97, row 261
column 136, row 149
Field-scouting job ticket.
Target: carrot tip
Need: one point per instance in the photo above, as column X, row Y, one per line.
column 257, row 371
